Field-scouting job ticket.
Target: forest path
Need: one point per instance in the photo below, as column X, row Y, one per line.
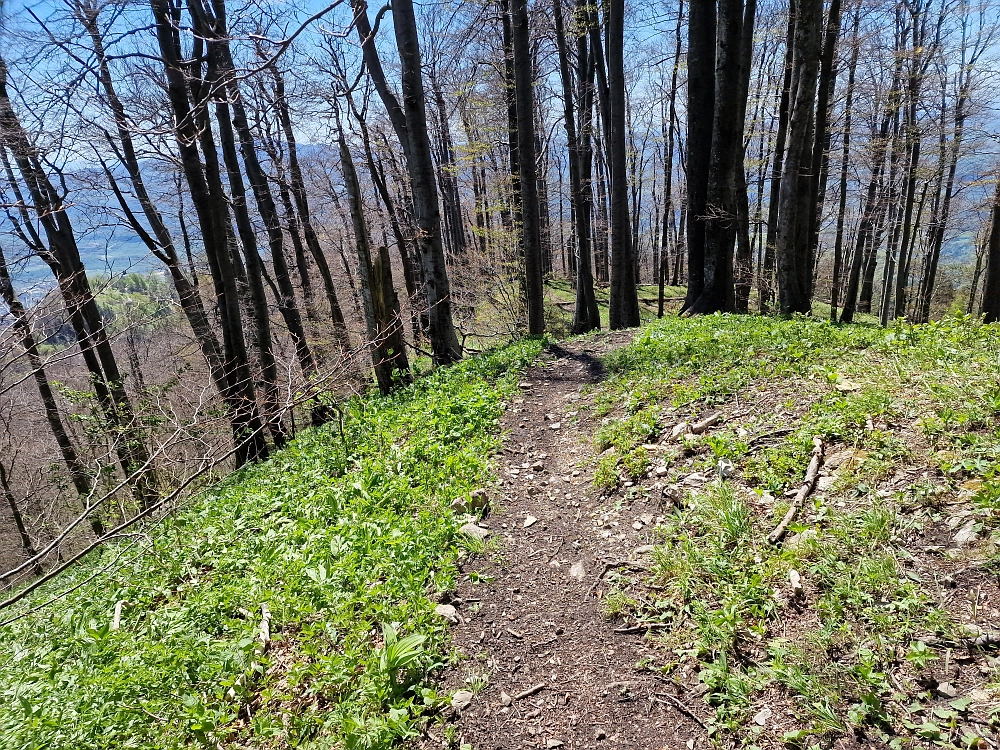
column 529, row 610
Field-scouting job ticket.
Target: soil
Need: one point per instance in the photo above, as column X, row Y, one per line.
column 557, row 673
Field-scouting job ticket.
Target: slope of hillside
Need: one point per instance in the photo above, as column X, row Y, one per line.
column 637, row 600
column 626, row 593
column 287, row 606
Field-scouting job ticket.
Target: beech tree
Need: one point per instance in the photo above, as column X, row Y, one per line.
column 991, row 288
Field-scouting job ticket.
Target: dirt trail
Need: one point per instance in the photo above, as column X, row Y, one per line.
column 538, row 622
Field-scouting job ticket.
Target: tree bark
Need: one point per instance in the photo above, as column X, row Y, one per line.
column 513, row 151
column 240, row 395
column 743, row 268
column 939, row 220
column 623, row 309
column 447, row 170
column 63, row 257
column 720, row 214
column 268, row 211
column 386, row 360
column 427, row 213
column 302, row 207
column 160, row 244
column 530, row 218
column 700, row 112
column 18, row 518
column 668, row 167
column 765, row 277
column 77, row 471
column 991, row 287
column 821, row 138
column 838, row 244
column 586, row 316
column 795, row 206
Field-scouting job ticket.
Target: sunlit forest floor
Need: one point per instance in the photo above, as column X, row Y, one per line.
column 328, row 598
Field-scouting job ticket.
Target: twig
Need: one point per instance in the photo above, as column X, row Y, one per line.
column 679, row 705
column 699, row 427
column 808, row 485
column 148, row 713
column 562, row 540
column 117, row 619
column 530, row 691
column 643, row 627
column 265, row 628
column 985, row 639
column 764, row 436
column 974, row 566
column 639, row 567
column 533, row 646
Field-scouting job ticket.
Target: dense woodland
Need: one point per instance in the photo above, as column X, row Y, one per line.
column 337, row 199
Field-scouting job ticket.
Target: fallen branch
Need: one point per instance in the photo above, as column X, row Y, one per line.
column 638, row 567
column 643, row 627
column 974, row 637
column 767, row 435
column 679, row 705
column 808, row 485
column 699, row 427
column 265, row 629
column 530, row 691
column 117, row 619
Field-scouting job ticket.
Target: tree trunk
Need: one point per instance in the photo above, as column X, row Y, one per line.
column 794, row 198
column 530, row 221
column 427, row 213
column 15, row 512
column 255, row 278
column 838, row 245
column 447, row 173
column 513, row 152
column 765, row 276
column 820, row 168
column 63, row 258
column 939, row 220
column 586, row 316
column 160, row 244
column 743, row 270
column 668, row 167
column 389, row 317
column 623, row 309
column 409, row 120
column 411, row 269
column 302, row 207
column 700, row 111
column 600, row 222
column 866, row 226
column 913, row 142
column 385, row 362
column 240, row 395
column 991, row 287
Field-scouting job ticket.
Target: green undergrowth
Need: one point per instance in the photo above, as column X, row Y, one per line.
column 721, row 583
column 912, row 415
column 340, row 540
